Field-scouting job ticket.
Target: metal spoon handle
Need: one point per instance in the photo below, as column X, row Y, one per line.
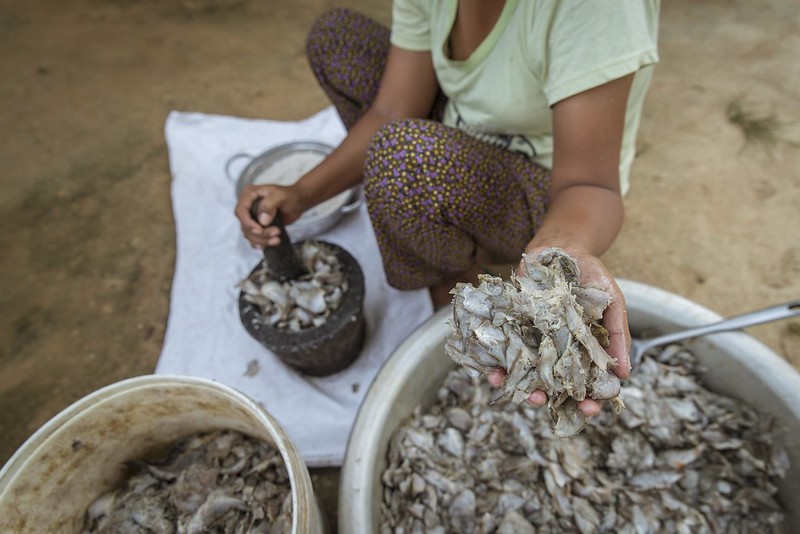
column 281, row 260
column 737, row 322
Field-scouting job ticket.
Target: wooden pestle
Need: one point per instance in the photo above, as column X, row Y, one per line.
column 281, row 261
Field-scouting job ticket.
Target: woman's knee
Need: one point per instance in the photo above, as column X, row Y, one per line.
column 339, row 29
column 332, row 20
column 395, row 157
column 405, row 142
column 324, row 28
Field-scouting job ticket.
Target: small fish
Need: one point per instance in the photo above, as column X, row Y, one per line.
column 465, row 464
column 216, row 505
column 541, row 328
column 304, row 303
column 253, row 368
column 220, row 481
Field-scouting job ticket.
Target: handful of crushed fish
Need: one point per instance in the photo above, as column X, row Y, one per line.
column 543, row 329
column 679, row 459
column 221, row 481
column 304, row 303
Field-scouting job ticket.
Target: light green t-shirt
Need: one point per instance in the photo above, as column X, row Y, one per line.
column 538, row 53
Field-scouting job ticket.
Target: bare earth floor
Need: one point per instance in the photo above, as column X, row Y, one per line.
column 86, row 228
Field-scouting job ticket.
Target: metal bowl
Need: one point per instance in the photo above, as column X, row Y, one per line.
column 741, row 367
column 284, row 165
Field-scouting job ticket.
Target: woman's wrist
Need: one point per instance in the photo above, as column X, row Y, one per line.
column 303, row 194
column 574, row 249
column 583, row 220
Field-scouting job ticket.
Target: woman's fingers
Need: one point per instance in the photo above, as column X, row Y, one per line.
column 496, row 377
column 589, row 407
column 265, row 218
column 257, row 231
column 537, row 398
column 242, row 210
column 615, row 320
column 270, row 238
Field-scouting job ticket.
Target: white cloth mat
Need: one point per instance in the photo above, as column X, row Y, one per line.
column 205, row 336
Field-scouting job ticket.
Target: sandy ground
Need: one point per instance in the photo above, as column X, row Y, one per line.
column 86, row 228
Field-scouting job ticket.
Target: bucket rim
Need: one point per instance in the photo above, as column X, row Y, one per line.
column 303, row 515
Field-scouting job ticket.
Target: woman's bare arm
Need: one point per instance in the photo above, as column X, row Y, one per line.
column 408, row 89
column 585, row 212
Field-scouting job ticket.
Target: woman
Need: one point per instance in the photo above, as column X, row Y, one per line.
column 507, row 125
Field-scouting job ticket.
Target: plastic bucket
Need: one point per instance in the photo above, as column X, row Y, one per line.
column 78, row 455
column 740, row 367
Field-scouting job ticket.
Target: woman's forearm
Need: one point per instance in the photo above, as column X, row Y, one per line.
column 581, row 218
column 408, row 89
column 343, row 168
column 585, row 212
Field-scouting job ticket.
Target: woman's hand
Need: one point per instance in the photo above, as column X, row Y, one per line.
column 343, row 168
column 271, row 198
column 585, row 211
column 615, row 320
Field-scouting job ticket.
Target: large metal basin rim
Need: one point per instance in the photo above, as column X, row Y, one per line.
column 410, row 377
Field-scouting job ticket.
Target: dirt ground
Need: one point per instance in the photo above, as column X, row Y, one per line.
column 86, row 227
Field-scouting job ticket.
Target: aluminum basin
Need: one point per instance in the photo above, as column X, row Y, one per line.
column 742, row 367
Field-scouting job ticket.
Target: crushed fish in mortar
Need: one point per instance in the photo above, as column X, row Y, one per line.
column 304, row 303
column 222, row 482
